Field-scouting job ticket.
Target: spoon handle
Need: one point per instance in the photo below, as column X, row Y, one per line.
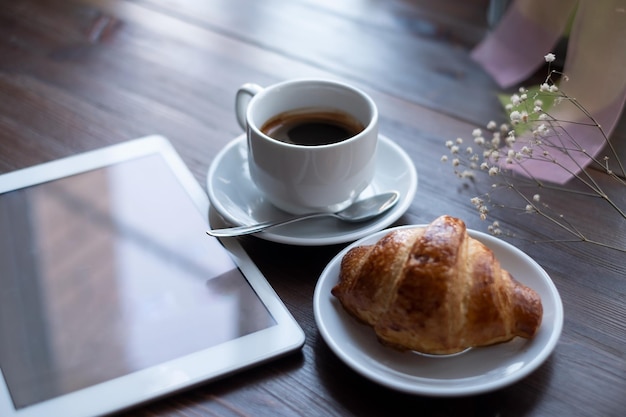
column 247, row 230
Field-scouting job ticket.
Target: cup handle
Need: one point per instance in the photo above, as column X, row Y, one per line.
column 243, row 97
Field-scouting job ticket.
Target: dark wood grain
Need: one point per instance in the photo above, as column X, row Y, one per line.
column 76, row 75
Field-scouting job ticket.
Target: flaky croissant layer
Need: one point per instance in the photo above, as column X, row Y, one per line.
column 435, row 290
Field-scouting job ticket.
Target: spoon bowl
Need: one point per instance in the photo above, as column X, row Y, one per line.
column 359, row 211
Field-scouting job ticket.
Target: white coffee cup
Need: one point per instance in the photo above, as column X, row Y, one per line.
column 303, row 178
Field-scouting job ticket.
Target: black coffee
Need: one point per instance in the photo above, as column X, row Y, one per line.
column 312, row 127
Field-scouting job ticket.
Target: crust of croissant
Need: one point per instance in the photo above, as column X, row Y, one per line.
column 436, row 290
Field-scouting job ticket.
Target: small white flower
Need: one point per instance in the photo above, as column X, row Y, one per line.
column 510, row 140
column 477, row 132
column 484, row 166
column 536, row 197
column 544, row 87
column 469, row 150
column 479, row 141
column 554, row 88
column 543, row 116
column 493, row 171
column 444, row 158
column 529, row 208
column 456, row 162
column 459, row 140
column 524, row 116
column 550, row 57
column 491, row 125
column 515, row 100
column 515, row 116
column 454, row 149
column 449, row 144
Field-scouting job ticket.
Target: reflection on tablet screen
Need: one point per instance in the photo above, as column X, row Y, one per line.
column 105, row 273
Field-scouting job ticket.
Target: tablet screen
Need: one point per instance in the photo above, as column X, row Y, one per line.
column 108, row 272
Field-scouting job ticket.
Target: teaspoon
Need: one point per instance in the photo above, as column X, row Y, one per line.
column 359, row 211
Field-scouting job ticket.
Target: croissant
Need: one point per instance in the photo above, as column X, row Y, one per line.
column 435, row 290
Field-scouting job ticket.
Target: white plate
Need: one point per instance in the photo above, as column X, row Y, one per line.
column 475, row 371
column 236, row 198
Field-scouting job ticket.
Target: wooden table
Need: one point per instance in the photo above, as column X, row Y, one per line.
column 76, row 75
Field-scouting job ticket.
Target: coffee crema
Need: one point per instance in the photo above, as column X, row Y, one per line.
column 312, row 127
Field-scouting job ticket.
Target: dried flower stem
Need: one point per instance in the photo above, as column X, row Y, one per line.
column 537, row 134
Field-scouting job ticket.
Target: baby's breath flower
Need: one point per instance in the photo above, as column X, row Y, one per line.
column 444, row 158
column 524, row 116
column 456, row 162
column 538, row 103
column 515, row 116
column 529, row 208
column 469, row 150
column 459, row 141
column 493, row 171
column 494, row 228
column 476, row 201
column 491, row 125
column 484, row 166
column 479, row 141
column 449, row 144
column 544, row 87
column 550, row 57
column 516, row 100
column 454, row 149
column 509, row 106
column 536, row 198
column 554, row 88
column 510, row 140
column 477, row 132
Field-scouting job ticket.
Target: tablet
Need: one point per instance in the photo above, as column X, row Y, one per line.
column 111, row 292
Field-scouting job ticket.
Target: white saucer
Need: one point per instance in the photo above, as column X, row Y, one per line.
column 474, row 371
column 236, row 198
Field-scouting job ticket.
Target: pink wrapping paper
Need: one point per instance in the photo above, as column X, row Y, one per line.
column 595, row 65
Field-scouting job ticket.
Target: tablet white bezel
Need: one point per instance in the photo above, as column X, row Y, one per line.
column 178, row 374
